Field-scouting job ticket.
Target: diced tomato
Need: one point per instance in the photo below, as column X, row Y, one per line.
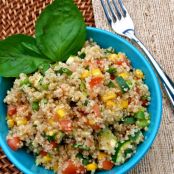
column 119, row 62
column 66, row 125
column 95, row 81
column 11, row 110
column 71, row 168
column 14, row 143
column 96, row 110
column 53, row 144
column 107, row 165
column 43, row 153
column 96, row 127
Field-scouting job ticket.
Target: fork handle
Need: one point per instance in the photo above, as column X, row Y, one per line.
column 166, row 81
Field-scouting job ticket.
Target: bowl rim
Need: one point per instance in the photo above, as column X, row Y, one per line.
column 130, row 164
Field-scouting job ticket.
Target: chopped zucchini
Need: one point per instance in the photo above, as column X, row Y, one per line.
column 142, row 123
column 35, row 106
column 25, row 82
column 112, row 70
column 129, row 120
column 137, row 137
column 81, row 146
column 111, row 84
column 122, row 152
column 140, row 115
column 122, row 84
column 107, row 140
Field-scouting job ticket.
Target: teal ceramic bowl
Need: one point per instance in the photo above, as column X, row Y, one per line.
column 26, row 163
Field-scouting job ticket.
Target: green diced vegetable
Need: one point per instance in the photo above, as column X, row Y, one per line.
column 25, row 82
column 43, row 68
column 129, row 83
column 79, row 155
column 51, row 137
column 82, row 55
column 82, row 86
column 64, row 71
column 85, row 159
column 128, row 153
column 111, row 84
column 107, row 140
column 122, row 84
column 137, row 137
column 121, row 152
column 44, row 86
column 140, row 115
column 35, row 106
column 129, row 120
column 109, row 51
column 80, row 146
column 86, row 102
column 142, row 123
column 44, row 101
column 145, row 97
column 112, row 70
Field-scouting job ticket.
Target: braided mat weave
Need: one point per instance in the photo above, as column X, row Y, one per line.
column 19, row 16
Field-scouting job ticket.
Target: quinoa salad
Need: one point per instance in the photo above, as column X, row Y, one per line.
column 78, row 117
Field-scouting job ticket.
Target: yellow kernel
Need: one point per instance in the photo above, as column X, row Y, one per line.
column 139, row 74
column 55, row 167
column 113, row 57
column 110, row 104
column 96, row 72
column 91, row 167
column 51, row 132
column 91, row 122
column 85, row 74
column 108, row 96
column 47, row 159
column 102, row 156
column 21, row 121
column 10, row 123
column 61, row 113
column 124, row 104
column 124, row 75
column 121, row 55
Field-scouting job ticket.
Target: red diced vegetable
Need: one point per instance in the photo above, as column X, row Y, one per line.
column 66, row 125
column 95, row 81
column 14, row 143
column 107, row 165
column 11, row 110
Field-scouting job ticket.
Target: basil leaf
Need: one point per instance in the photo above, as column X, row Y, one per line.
column 16, row 59
column 60, row 30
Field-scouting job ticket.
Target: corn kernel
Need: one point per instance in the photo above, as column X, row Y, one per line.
column 51, row 133
column 110, row 104
column 46, row 159
column 85, row 74
column 21, row 121
column 124, row 104
column 91, row 122
column 91, row 167
column 102, row 156
column 108, row 96
column 124, row 75
column 10, row 123
column 51, row 121
column 61, row 113
column 139, row 74
column 96, row 72
column 121, row 55
column 113, row 57
column 55, row 167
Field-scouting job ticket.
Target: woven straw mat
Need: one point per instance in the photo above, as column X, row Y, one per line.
column 19, row 16
column 154, row 22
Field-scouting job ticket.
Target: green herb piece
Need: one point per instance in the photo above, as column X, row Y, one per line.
column 60, row 30
column 25, row 82
column 111, row 84
column 64, row 71
column 122, row 84
column 109, row 51
column 85, row 159
column 112, row 70
column 51, row 137
column 142, row 123
column 35, row 106
column 82, row 86
column 82, row 55
column 79, row 155
column 87, row 67
column 129, row 120
column 85, row 162
column 44, row 101
column 80, row 146
column 145, row 97
column 86, row 102
column 16, row 59
column 137, row 137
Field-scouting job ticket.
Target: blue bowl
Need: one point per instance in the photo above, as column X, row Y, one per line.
column 26, row 162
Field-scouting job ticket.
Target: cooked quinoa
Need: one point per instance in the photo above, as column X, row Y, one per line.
column 84, row 115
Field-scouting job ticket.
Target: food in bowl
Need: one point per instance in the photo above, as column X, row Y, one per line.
column 84, row 115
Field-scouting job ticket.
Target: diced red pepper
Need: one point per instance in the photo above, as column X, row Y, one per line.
column 96, row 110
column 71, row 168
column 11, row 110
column 65, row 125
column 107, row 165
column 43, row 153
column 95, row 81
column 53, row 144
column 14, row 143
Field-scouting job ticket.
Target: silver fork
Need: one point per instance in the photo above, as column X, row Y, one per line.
column 122, row 24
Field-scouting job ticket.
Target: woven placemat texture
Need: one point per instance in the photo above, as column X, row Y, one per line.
column 19, row 16
column 154, row 21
